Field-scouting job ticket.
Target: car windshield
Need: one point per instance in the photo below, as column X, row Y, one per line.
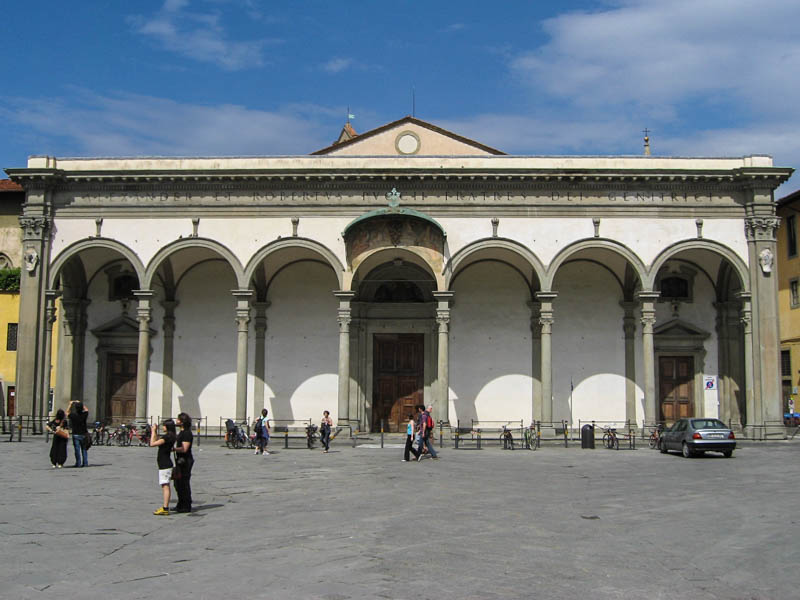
column 708, row 424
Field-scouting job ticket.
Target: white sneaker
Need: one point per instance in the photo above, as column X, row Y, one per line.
column 404, row 460
column 256, row 452
column 264, row 453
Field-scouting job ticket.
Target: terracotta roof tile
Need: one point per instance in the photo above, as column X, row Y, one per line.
column 6, row 185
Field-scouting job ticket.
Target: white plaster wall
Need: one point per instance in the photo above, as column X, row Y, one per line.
column 588, row 345
column 204, row 365
column 490, row 346
column 702, row 314
column 302, row 343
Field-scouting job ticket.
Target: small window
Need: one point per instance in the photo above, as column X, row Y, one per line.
column 791, row 235
column 11, row 339
column 794, row 293
column 123, row 286
column 675, row 288
column 786, row 363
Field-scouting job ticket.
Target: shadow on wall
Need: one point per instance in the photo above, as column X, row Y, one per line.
column 302, row 353
column 588, row 345
column 491, row 346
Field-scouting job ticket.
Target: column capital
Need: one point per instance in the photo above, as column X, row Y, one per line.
column 242, row 295
column 344, row 295
column 548, row 296
column 761, row 228
column 34, row 227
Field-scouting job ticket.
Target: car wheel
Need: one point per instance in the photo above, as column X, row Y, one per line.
column 687, row 452
column 662, row 447
column 727, row 453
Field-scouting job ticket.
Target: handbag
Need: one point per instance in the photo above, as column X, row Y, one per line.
column 87, row 441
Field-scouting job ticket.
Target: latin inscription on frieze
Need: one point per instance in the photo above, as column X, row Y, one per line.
column 456, row 196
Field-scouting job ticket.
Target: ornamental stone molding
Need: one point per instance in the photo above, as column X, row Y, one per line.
column 761, row 228
column 34, row 227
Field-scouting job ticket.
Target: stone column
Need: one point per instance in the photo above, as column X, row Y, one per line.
column 70, row 381
column 261, row 355
column 143, row 315
column 760, row 230
column 33, row 279
column 344, row 317
column 243, row 329
column 167, row 366
column 441, row 407
column 536, row 360
column 647, row 299
column 629, row 330
column 50, row 318
column 749, row 417
column 546, row 321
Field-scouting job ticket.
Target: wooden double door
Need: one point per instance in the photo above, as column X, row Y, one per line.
column 121, row 388
column 676, row 387
column 398, row 375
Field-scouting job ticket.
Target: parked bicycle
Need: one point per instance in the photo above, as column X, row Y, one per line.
column 235, row 436
column 99, row 434
column 655, row 436
column 531, row 437
column 610, row 439
column 507, row 438
column 311, row 435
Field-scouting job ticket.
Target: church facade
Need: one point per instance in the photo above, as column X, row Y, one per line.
column 405, row 265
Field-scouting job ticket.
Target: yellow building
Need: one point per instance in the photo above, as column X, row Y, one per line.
column 789, row 299
column 11, row 198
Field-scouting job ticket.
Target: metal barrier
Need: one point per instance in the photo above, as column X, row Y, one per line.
column 478, row 431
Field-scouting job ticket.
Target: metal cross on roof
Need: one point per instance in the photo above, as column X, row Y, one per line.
column 394, row 198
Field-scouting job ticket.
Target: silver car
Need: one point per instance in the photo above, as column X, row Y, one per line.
column 695, row 436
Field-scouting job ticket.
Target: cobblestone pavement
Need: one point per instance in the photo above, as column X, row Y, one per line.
column 359, row 523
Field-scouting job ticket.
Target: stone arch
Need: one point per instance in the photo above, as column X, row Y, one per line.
column 722, row 250
column 380, row 255
column 564, row 254
column 187, row 243
column 57, row 265
column 459, row 261
column 295, row 242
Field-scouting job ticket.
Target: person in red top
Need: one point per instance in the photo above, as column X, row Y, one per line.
column 425, row 428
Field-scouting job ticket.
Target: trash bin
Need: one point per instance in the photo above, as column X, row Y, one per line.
column 587, row 436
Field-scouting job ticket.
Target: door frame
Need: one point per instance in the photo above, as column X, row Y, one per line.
column 375, row 390
column 369, row 319
column 681, row 338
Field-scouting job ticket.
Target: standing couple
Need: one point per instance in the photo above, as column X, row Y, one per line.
column 420, row 429
column 181, row 472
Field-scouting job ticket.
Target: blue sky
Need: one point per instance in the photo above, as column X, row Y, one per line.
column 257, row 77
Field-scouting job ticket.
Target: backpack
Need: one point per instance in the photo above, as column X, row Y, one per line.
column 259, row 427
column 429, row 425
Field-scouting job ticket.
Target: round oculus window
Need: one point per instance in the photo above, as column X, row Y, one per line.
column 407, row 143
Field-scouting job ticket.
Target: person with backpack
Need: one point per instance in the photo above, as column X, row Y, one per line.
column 262, row 433
column 426, row 425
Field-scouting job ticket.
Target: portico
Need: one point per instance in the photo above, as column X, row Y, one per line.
column 363, row 279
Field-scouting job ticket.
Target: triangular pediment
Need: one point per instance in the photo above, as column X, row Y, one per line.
column 122, row 326
column 677, row 328
column 408, row 136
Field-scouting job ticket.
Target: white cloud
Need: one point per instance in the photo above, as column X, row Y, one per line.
column 198, row 36
column 126, row 124
column 336, row 65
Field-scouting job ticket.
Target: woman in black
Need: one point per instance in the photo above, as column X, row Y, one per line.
column 185, row 460
column 78, row 414
column 58, row 451
column 164, row 460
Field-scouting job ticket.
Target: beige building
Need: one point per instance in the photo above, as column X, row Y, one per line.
column 406, row 264
column 12, row 196
column 788, row 265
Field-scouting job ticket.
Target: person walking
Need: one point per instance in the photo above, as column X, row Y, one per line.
column 78, row 414
column 262, row 433
column 410, row 430
column 58, row 450
column 426, row 427
column 325, row 431
column 165, row 445
column 185, row 462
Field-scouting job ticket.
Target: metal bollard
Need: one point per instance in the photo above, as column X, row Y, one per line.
column 455, row 440
column 440, row 433
column 19, row 428
column 381, row 433
column 286, row 440
column 479, row 439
